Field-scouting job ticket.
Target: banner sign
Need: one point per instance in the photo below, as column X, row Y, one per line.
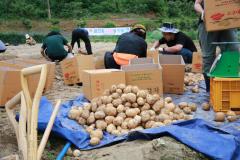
column 107, row 31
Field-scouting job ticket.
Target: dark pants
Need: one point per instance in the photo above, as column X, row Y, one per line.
column 76, row 38
column 186, row 54
column 110, row 62
column 1, row 51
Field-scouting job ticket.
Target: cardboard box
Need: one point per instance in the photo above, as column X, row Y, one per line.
column 173, row 73
column 154, row 55
column 23, row 63
column 72, row 68
column 222, row 14
column 144, row 75
column 95, row 82
column 10, row 81
column 197, row 62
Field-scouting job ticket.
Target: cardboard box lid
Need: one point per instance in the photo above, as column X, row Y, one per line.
column 171, row 60
column 101, row 71
column 141, row 61
column 141, row 64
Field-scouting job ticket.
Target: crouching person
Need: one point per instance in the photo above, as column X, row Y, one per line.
column 53, row 47
column 129, row 46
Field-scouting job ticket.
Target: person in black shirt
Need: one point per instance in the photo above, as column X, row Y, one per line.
column 80, row 33
column 129, row 45
column 177, row 43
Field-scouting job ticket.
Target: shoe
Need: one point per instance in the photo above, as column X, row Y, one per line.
column 207, row 82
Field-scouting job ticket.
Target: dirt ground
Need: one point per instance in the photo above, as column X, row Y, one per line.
column 163, row 148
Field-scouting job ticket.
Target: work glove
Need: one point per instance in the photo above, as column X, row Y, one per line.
column 160, row 49
column 202, row 16
column 152, row 49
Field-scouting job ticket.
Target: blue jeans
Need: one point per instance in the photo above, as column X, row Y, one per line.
column 186, row 54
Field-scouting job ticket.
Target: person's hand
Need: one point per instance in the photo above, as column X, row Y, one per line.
column 202, row 15
column 160, row 49
column 152, row 49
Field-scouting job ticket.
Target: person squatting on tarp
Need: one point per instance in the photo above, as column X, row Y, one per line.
column 129, row 45
column 53, row 47
column 29, row 40
column 2, row 47
column 206, row 39
column 177, row 43
column 81, row 34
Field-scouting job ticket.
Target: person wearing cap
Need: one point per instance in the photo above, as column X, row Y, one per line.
column 129, row 45
column 207, row 38
column 53, row 47
column 29, row 40
column 81, row 33
column 2, row 47
column 177, row 43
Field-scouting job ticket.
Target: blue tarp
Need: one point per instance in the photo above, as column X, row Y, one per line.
column 215, row 142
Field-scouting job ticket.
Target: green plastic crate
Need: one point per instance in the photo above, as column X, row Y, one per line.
column 227, row 65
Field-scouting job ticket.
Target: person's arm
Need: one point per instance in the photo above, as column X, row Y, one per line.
column 157, row 44
column 173, row 49
column 198, row 8
column 69, row 48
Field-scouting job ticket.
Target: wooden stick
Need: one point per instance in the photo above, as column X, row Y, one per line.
column 22, row 145
column 35, row 108
column 9, row 106
column 48, row 130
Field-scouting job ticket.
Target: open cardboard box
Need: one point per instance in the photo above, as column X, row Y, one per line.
column 173, row 73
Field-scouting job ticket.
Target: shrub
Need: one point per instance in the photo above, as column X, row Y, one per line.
column 27, row 23
column 109, row 25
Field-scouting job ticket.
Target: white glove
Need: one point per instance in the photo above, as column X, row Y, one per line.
column 202, row 16
column 152, row 49
column 160, row 49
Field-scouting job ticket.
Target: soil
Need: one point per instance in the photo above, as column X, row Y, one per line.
column 164, row 148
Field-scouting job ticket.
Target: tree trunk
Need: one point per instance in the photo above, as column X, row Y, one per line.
column 49, row 9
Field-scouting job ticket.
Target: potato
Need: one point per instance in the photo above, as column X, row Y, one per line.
column 149, row 124
column 145, row 107
column 116, row 102
column 113, row 88
column 116, row 132
column 109, row 119
column 111, row 128
column 181, row 115
column 188, row 117
column 124, row 131
column 122, row 114
column 156, row 97
column 81, row 121
column 97, row 133
column 109, row 99
column 157, row 124
column 94, row 106
column 168, row 100
column 99, row 115
column 170, row 106
column 121, row 86
column 187, row 110
column 219, row 117
column 195, row 89
column 132, row 112
column 131, row 97
column 119, row 128
column 69, row 152
column 135, row 105
column 128, row 89
column 165, row 111
column 161, row 117
column 132, row 124
column 101, row 107
column 105, row 99
column 100, row 124
column 110, row 110
column 138, row 119
column 74, row 113
column 120, row 108
column 151, row 112
column 87, row 106
column 124, row 97
column 94, row 141
column 135, row 89
column 76, row 153
column 231, row 113
column 124, row 125
column 89, row 129
column 142, row 94
column 118, row 121
column 145, row 116
column 85, row 114
column 167, row 122
column 175, row 116
column 115, row 96
column 141, row 101
column 231, row 118
column 91, row 118
column 182, row 105
column 158, row 105
column 128, row 104
column 127, row 119
column 99, row 102
column 150, row 99
column 206, row 106
column 139, row 128
column 192, row 106
column 177, row 110
column 119, row 91
column 107, row 92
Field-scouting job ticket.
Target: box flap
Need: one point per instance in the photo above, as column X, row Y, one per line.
column 140, row 67
column 141, row 61
column 171, row 59
column 100, row 71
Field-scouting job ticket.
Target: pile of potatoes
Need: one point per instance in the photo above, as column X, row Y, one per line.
column 192, row 79
column 123, row 108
